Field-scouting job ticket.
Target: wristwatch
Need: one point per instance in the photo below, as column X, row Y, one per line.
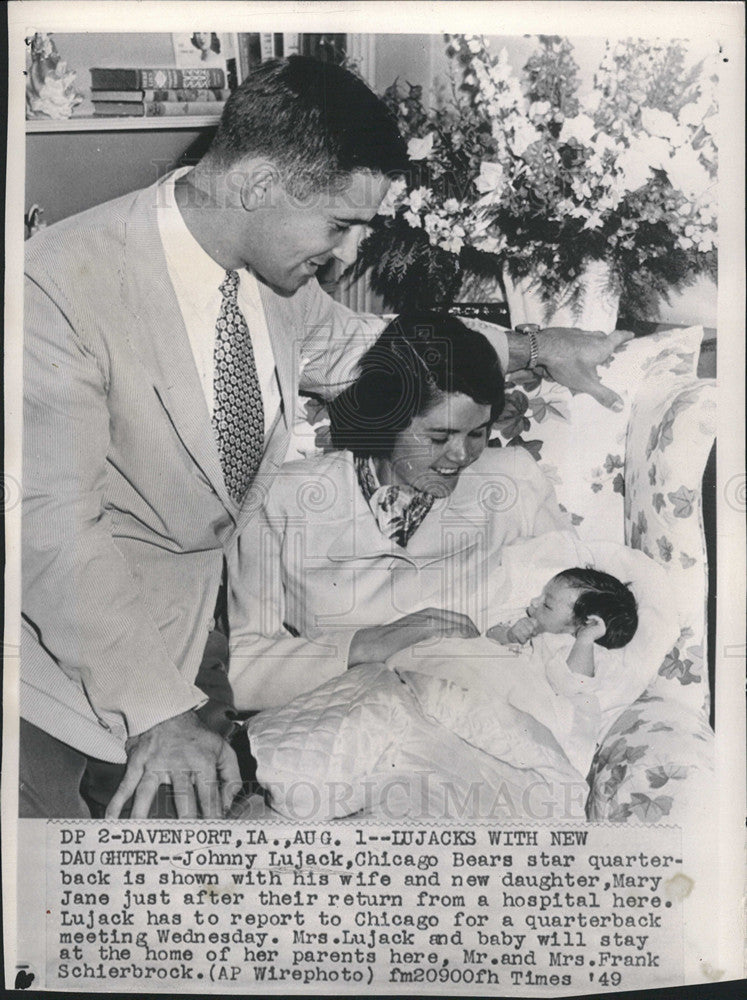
column 530, row 330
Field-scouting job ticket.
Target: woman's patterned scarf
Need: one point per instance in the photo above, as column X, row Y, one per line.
column 399, row 510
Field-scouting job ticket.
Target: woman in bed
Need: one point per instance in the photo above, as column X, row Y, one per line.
column 360, row 553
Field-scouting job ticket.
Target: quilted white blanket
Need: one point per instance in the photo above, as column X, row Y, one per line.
column 362, row 743
column 433, row 733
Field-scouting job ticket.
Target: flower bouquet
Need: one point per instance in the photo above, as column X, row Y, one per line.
column 528, row 182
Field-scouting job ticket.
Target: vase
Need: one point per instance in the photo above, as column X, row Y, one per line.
column 595, row 309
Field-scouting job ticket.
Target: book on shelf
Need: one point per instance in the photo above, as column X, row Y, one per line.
column 156, row 109
column 106, row 78
column 183, row 94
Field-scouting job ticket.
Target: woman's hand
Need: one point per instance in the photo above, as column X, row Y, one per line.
column 377, row 643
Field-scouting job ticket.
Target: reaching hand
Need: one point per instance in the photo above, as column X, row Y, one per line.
column 184, row 753
column 571, row 357
column 521, row 632
column 501, row 633
column 377, row 643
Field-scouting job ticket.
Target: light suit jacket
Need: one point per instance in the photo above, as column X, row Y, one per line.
column 126, row 516
column 314, row 567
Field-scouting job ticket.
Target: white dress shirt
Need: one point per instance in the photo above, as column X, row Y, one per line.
column 197, row 278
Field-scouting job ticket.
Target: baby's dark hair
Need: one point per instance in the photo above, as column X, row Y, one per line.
column 605, row 596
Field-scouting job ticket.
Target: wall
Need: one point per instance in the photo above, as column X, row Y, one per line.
column 67, row 172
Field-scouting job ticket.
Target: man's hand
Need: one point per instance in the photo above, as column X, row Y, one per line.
column 181, row 752
column 377, row 643
column 571, row 356
column 521, row 632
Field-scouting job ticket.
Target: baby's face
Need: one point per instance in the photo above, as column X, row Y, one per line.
column 552, row 611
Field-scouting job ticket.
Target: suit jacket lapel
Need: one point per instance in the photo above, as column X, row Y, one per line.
column 283, row 325
column 159, row 337
column 282, row 318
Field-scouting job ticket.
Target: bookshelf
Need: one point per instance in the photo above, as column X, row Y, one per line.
column 147, row 49
column 125, row 153
column 40, row 125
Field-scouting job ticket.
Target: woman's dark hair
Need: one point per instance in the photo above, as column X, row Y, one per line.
column 419, row 358
column 315, row 121
column 606, row 596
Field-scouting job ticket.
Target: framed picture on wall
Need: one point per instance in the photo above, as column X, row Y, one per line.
column 206, row 49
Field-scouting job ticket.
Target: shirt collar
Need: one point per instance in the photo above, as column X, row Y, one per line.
column 198, row 275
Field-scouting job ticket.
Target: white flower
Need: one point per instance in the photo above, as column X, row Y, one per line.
column 594, row 221
column 420, row 149
column 452, row 206
column 393, row 197
column 434, row 225
column 413, row 220
column 635, row 164
column 634, row 169
column 491, row 178
column 581, row 127
column 453, row 244
column 695, row 112
column 417, row 198
column 581, row 187
column 474, row 43
column 403, row 109
column 539, row 108
column 687, row 173
column 664, row 125
column 580, row 211
column 606, row 144
column 656, row 150
column 524, row 134
column 590, row 101
column 595, row 165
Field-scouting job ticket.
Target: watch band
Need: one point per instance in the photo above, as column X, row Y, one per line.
column 530, row 331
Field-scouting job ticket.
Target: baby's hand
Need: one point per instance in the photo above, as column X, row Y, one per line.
column 592, row 629
column 501, row 633
column 523, row 630
column 520, row 632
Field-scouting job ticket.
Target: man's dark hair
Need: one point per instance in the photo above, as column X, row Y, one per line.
column 315, row 121
column 606, row 596
column 419, row 358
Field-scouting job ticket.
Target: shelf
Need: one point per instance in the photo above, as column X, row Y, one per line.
column 123, row 124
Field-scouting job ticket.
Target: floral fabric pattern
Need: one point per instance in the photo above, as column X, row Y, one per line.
column 668, row 445
column 654, row 765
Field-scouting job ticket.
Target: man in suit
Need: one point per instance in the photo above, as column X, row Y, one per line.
column 165, row 333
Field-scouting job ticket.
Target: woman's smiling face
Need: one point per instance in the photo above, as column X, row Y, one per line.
column 431, row 453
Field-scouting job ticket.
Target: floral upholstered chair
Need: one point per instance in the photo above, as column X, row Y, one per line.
column 657, row 759
column 633, row 477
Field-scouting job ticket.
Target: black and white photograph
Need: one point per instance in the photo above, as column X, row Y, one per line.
column 374, row 489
